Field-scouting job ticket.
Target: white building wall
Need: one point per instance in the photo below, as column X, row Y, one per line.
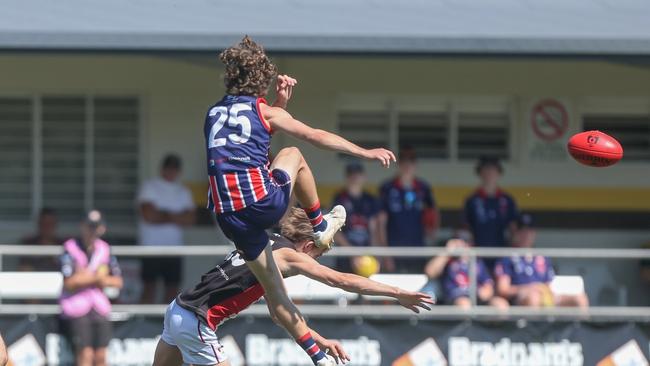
column 177, row 91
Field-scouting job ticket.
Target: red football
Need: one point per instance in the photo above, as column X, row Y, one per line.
column 595, row 148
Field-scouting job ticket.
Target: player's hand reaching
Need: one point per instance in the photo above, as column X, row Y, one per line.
column 283, row 89
column 415, row 300
column 384, row 156
column 334, row 349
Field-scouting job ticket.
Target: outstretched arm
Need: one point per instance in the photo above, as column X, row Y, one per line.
column 281, row 120
column 300, row 263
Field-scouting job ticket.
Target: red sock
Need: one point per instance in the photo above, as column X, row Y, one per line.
column 316, row 217
column 309, row 345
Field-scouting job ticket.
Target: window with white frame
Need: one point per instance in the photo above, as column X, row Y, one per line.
column 426, row 132
column 64, row 154
column 625, row 118
column 441, row 128
column 16, row 158
column 115, row 157
column 483, row 134
column 75, row 153
column 365, row 128
column 632, row 131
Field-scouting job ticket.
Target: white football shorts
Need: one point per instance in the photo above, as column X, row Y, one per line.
column 198, row 343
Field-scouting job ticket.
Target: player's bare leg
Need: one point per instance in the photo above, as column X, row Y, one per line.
column 269, row 276
column 303, row 185
column 281, row 307
column 167, row 355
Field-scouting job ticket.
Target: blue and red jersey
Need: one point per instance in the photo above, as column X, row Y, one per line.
column 489, row 217
column 524, row 270
column 406, row 208
column 455, row 279
column 360, row 211
column 237, row 143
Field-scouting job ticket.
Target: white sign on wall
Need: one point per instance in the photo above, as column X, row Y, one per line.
column 548, row 126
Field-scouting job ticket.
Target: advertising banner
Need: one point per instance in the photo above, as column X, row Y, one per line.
column 256, row 341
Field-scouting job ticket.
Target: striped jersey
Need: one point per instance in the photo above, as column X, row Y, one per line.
column 237, row 143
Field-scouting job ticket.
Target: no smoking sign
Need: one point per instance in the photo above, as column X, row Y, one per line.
column 549, row 119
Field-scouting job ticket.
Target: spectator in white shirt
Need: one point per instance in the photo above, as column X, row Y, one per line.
column 165, row 207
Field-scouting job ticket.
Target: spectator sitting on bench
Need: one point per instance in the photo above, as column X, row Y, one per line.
column 524, row 280
column 454, row 275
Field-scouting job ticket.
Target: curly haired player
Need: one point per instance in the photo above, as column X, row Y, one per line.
column 248, row 193
column 192, row 320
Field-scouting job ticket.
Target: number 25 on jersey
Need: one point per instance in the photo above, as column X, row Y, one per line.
column 232, row 117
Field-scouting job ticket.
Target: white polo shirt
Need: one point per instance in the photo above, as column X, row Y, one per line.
column 172, row 197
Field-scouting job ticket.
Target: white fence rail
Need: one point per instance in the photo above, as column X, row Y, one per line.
column 203, row 250
column 360, row 312
column 605, row 313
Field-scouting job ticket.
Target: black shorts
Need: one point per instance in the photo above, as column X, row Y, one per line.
column 91, row 330
column 450, row 298
column 167, row 268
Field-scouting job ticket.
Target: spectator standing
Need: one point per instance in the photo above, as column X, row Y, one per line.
column 360, row 228
column 88, row 268
column 525, row 279
column 455, row 278
column 490, row 212
column 46, row 234
column 166, row 206
column 408, row 215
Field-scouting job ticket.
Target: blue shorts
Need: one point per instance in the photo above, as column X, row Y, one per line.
column 451, row 295
column 247, row 227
